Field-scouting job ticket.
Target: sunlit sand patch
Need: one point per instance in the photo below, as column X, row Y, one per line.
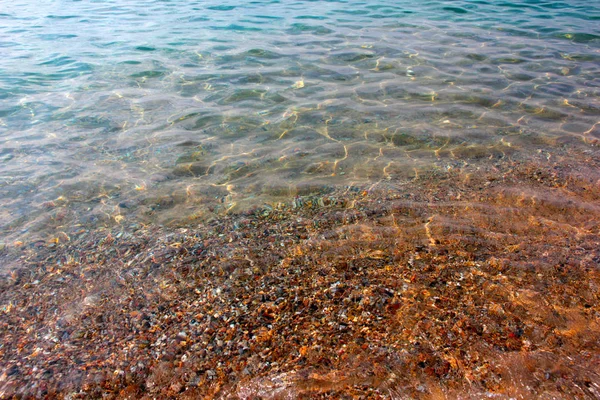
column 298, row 85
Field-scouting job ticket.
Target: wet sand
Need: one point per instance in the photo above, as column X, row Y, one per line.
column 471, row 283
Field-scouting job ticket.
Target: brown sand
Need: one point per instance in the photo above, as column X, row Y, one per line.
column 460, row 284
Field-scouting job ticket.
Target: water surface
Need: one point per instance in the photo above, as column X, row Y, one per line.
column 166, row 112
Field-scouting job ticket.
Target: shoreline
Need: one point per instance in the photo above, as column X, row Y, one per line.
column 486, row 286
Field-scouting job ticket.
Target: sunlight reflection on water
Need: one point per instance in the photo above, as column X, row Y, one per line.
column 128, row 113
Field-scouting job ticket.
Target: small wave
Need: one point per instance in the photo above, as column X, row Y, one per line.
column 221, row 8
column 298, row 28
column 456, row 10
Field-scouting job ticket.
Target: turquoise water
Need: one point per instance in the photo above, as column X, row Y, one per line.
column 131, row 112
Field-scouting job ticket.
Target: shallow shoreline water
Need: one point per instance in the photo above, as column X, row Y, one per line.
column 289, row 199
column 459, row 285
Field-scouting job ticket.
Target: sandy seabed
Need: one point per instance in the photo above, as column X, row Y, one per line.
column 471, row 283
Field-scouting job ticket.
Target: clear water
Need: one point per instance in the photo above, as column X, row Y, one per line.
column 131, row 112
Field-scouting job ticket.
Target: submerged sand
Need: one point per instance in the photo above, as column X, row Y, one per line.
column 470, row 283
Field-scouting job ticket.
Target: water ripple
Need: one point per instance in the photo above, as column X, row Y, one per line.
column 276, row 94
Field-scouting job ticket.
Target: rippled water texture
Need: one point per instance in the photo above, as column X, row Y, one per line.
column 130, row 112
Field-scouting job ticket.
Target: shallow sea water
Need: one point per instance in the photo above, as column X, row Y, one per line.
column 169, row 112
column 423, row 181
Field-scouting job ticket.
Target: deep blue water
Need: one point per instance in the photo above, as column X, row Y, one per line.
column 170, row 111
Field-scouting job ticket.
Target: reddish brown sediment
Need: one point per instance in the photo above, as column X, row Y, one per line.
column 457, row 285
